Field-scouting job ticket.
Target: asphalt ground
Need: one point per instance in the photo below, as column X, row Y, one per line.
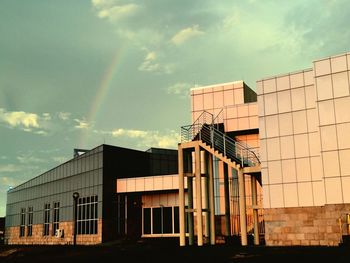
column 167, row 252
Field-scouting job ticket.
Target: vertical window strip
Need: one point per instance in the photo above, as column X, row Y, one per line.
column 87, row 215
column 46, row 219
column 55, row 217
column 30, row 221
column 23, row 222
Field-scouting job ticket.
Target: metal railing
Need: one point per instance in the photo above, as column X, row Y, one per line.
column 219, row 141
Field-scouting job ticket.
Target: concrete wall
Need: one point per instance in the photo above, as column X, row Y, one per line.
column 12, row 236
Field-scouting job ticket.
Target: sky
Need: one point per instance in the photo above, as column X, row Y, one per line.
column 77, row 74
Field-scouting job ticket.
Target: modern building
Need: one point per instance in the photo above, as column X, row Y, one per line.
column 304, row 125
column 109, row 205
column 271, row 165
column 222, row 144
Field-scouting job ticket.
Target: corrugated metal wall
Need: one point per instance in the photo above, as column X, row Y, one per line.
column 82, row 174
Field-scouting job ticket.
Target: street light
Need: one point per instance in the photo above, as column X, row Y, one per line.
column 75, row 210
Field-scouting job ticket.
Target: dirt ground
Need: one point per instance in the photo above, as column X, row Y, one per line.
column 167, row 252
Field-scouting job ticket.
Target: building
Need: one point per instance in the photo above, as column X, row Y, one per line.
column 304, row 127
column 41, row 210
column 271, row 165
column 222, row 144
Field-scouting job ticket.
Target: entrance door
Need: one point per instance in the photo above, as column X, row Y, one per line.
column 134, row 216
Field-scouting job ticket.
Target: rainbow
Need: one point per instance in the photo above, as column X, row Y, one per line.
column 102, row 91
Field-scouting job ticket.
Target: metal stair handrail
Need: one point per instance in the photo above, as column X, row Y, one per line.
column 218, row 140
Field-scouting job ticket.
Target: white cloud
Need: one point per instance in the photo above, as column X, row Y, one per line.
column 103, row 3
column 151, row 64
column 41, row 132
column 19, row 118
column 82, row 124
column 46, row 116
column 59, row 159
column 182, row 89
column 186, row 34
column 113, row 11
column 64, row 115
column 169, row 139
column 9, row 168
column 129, row 133
column 9, row 181
column 29, row 159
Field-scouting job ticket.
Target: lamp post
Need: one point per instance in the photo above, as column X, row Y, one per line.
column 75, row 210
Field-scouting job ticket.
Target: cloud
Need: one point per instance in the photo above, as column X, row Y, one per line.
column 111, row 10
column 19, row 119
column 9, row 181
column 64, row 115
column 29, row 159
column 102, row 3
column 151, row 64
column 46, row 116
column 182, row 89
column 129, row 133
column 59, row 159
column 82, row 124
column 185, row 34
column 169, row 139
column 9, row 168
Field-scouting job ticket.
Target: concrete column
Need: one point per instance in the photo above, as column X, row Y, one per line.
column 190, row 213
column 255, row 210
column 227, row 202
column 199, row 196
column 189, row 170
column 207, row 214
column 181, row 197
column 242, row 206
column 211, row 199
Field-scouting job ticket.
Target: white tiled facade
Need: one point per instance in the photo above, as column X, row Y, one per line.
column 304, row 125
column 304, row 135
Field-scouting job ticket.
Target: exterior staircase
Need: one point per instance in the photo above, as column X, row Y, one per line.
column 212, row 139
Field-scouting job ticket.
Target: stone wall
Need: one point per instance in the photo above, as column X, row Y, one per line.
column 306, row 226
column 12, row 236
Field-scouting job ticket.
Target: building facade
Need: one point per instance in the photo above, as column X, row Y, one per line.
column 41, row 210
column 272, row 165
column 305, row 153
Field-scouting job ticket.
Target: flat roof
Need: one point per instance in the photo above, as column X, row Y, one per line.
column 219, row 84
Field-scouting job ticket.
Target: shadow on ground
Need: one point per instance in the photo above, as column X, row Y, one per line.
column 167, row 251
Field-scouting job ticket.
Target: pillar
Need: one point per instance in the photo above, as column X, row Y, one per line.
column 190, row 212
column 207, row 201
column 199, row 196
column 227, row 202
column 211, row 199
column 181, row 197
column 242, row 206
column 255, row 210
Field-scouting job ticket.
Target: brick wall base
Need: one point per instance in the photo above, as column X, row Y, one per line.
column 306, row 226
column 12, row 236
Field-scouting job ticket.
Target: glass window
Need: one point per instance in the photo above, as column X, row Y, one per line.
column 55, row 217
column 176, row 219
column 164, row 220
column 167, row 220
column 147, row 221
column 23, row 222
column 87, row 215
column 46, row 219
column 30, row 221
column 157, row 220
